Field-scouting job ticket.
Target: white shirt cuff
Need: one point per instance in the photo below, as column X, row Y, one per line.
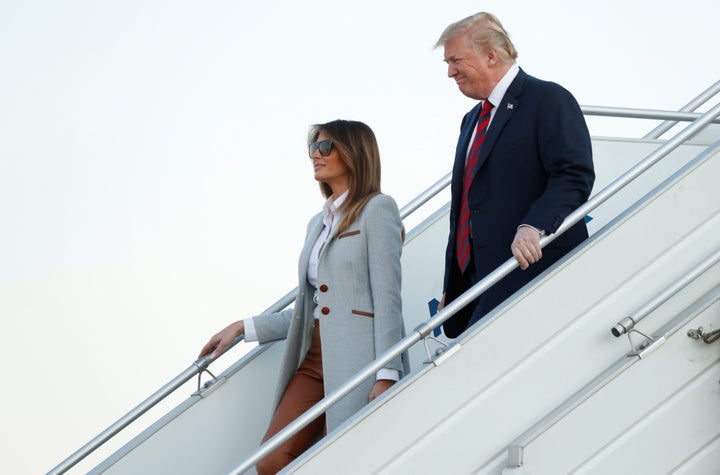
column 541, row 232
column 391, row 374
column 250, row 333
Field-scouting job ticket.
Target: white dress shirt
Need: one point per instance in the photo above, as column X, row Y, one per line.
column 496, row 96
column 331, row 220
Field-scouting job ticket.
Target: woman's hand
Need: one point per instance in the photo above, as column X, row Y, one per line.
column 381, row 385
column 220, row 340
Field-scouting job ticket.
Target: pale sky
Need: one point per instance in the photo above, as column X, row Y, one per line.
column 154, row 181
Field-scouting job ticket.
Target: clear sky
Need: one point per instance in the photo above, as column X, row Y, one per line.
column 154, row 182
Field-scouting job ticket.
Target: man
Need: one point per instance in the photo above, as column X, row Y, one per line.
column 522, row 164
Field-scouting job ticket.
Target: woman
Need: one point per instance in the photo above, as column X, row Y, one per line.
column 348, row 305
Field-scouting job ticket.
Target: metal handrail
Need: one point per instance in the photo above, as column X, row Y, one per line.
column 517, row 447
column 628, row 323
column 426, row 196
column 197, row 367
column 701, row 99
column 629, row 113
column 426, row 328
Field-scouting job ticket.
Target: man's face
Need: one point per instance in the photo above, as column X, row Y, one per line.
column 469, row 69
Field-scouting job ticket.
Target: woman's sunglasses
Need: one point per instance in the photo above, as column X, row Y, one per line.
column 324, row 146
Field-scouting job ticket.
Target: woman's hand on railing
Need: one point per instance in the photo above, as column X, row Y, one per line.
column 381, row 385
column 220, row 340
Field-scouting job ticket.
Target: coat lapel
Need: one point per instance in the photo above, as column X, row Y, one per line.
column 314, row 229
column 503, row 111
column 466, row 133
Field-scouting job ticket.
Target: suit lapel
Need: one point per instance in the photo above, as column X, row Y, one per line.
column 509, row 103
column 503, row 111
column 467, row 131
column 461, row 152
column 314, row 230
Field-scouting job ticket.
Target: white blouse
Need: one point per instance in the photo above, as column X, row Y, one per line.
column 331, row 220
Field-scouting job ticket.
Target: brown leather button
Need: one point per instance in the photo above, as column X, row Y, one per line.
column 325, row 310
column 323, row 288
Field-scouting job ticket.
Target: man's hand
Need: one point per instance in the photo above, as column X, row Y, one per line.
column 526, row 246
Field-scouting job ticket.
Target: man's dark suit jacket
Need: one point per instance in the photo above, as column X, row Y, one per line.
column 535, row 167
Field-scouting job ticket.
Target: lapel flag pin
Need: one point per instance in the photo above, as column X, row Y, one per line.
column 509, row 106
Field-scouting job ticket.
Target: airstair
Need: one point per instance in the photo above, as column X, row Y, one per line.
column 609, row 362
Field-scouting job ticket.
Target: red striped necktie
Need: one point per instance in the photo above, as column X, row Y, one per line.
column 462, row 236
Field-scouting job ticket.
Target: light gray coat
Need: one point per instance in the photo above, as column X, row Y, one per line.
column 359, row 278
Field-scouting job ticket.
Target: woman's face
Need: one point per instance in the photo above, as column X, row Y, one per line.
column 330, row 169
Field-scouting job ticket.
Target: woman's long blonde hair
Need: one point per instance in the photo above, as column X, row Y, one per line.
column 358, row 149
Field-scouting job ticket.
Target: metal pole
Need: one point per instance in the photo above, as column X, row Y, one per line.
column 705, row 96
column 423, row 198
column 199, row 365
column 642, row 114
column 628, row 323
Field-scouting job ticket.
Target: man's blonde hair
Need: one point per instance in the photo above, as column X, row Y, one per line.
column 486, row 33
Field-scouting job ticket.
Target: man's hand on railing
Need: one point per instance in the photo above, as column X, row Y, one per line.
column 526, row 246
column 220, row 340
